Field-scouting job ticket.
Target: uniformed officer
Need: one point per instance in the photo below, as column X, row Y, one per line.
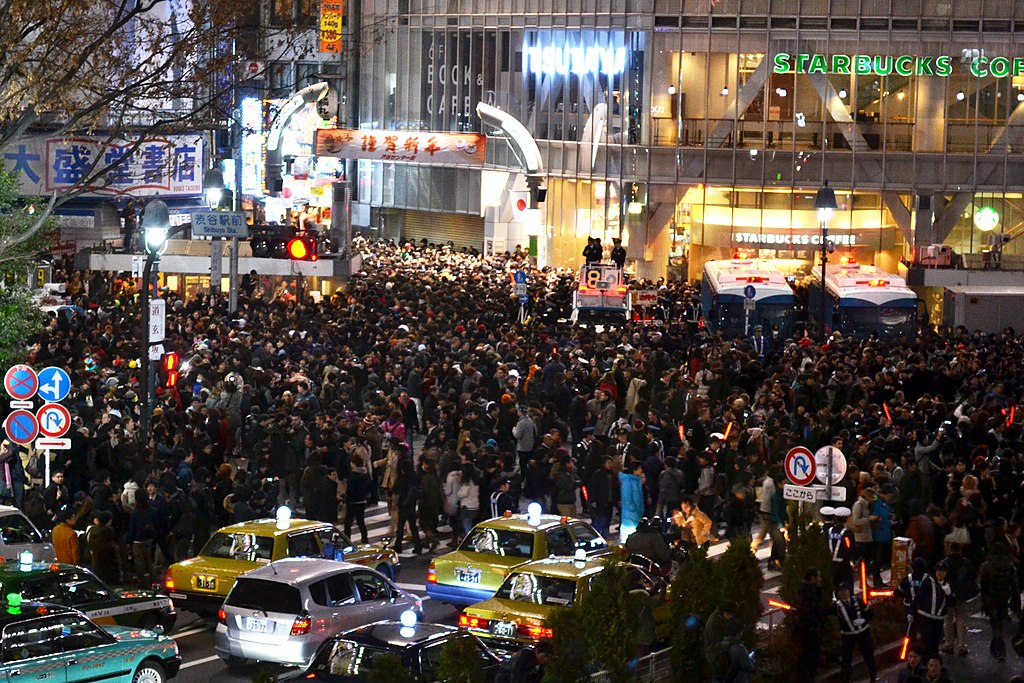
column 842, row 546
column 854, row 631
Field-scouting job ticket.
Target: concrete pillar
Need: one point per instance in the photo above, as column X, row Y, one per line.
column 930, row 114
column 654, row 242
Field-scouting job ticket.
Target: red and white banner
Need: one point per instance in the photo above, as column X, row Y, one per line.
column 422, row 147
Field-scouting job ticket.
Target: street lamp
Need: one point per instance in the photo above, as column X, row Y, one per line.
column 213, row 187
column 156, row 228
column 825, row 203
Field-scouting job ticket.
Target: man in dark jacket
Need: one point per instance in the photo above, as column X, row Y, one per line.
column 600, row 494
column 931, row 603
column 180, row 521
column 714, row 634
column 104, row 558
column 854, row 631
column 408, row 491
column 648, row 542
column 999, row 591
column 356, row 496
column 963, row 580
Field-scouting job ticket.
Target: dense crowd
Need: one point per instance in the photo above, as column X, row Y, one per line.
column 316, row 405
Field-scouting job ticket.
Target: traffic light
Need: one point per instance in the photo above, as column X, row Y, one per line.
column 302, row 248
column 171, row 362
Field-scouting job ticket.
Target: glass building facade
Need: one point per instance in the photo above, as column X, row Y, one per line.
column 696, row 129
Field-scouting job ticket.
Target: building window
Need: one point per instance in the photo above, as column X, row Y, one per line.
column 281, row 80
column 299, row 12
column 306, row 73
column 280, row 12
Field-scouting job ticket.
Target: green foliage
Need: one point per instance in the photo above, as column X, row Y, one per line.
column 739, row 578
column 20, row 318
column 806, row 548
column 460, row 662
column 569, row 662
column 389, row 669
column 694, row 598
column 597, row 633
column 21, row 235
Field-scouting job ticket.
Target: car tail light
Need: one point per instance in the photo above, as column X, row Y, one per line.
column 301, row 626
column 169, row 581
column 469, row 621
column 432, row 573
column 222, row 616
column 535, row 632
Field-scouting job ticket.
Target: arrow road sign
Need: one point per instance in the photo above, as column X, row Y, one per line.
column 54, row 420
column 53, row 444
column 21, row 382
column 54, row 385
column 749, row 291
column 21, row 426
column 800, row 466
column 519, row 277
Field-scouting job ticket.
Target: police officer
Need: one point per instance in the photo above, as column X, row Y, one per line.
column 932, row 603
column 909, row 589
column 618, row 254
column 854, row 631
column 842, row 545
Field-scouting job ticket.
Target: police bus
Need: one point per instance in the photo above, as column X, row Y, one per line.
column 739, row 294
column 862, row 300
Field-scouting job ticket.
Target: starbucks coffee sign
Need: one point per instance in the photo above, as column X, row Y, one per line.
column 979, row 65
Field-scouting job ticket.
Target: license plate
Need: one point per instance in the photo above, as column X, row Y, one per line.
column 504, row 629
column 206, row 583
column 256, row 625
column 178, row 596
column 467, row 575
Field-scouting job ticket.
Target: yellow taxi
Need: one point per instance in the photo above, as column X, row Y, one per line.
column 519, row 612
column 201, row 583
column 493, row 548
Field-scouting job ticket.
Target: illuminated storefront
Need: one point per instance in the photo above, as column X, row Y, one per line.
column 693, row 133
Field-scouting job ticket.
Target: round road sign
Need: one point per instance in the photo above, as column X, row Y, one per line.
column 21, row 427
column 21, row 382
column 54, row 384
column 800, row 467
column 821, row 460
column 749, row 291
column 54, row 420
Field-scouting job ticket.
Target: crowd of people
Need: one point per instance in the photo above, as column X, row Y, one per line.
column 416, row 387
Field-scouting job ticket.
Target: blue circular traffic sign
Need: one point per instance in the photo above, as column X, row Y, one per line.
column 519, row 277
column 21, row 382
column 749, row 291
column 21, row 427
column 54, row 384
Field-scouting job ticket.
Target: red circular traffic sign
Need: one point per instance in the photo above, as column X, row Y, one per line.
column 21, row 382
column 21, row 427
column 54, row 420
column 800, row 466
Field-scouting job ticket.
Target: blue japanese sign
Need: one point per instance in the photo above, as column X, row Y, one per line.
column 519, row 277
column 749, row 291
column 168, row 166
column 21, row 382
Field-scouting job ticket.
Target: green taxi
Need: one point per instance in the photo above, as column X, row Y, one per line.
column 201, row 583
column 53, row 643
column 493, row 548
column 71, row 586
column 519, row 611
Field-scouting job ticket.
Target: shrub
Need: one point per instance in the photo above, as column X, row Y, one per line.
column 694, row 598
column 611, row 633
column 460, row 662
column 389, row 669
column 738, row 576
column 569, row 662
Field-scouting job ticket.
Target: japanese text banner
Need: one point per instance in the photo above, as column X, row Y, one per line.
column 331, row 13
column 421, row 147
column 169, row 166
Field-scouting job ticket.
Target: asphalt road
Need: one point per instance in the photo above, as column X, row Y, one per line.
column 195, row 636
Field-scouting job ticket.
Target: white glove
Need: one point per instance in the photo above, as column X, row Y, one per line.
column 858, row 623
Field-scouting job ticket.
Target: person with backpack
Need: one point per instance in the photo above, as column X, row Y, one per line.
column 963, row 580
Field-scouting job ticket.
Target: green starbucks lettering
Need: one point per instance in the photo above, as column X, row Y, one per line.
column 883, row 65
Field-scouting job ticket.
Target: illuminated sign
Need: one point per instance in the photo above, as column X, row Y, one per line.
column 879, row 65
column 252, row 146
column 1000, row 67
column 783, row 239
column 551, row 59
column 986, row 219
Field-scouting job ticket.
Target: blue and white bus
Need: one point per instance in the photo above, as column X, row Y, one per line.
column 863, row 300
column 724, row 297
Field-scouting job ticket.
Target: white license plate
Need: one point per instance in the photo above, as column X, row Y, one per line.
column 256, row 625
column 504, row 629
column 178, row 596
column 467, row 575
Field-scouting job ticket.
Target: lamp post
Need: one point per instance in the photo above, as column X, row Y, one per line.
column 213, row 189
column 156, row 228
column 825, row 203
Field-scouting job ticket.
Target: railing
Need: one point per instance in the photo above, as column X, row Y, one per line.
column 653, row 668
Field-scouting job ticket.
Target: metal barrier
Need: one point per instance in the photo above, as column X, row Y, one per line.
column 653, row 668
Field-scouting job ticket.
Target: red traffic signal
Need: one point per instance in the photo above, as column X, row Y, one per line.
column 302, row 249
column 171, row 363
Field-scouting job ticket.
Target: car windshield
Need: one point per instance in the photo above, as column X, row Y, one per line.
column 538, row 590
column 17, row 529
column 499, row 542
column 239, row 546
column 266, row 596
column 344, row 660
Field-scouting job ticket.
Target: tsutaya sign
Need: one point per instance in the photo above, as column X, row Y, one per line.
column 903, row 65
column 577, row 60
